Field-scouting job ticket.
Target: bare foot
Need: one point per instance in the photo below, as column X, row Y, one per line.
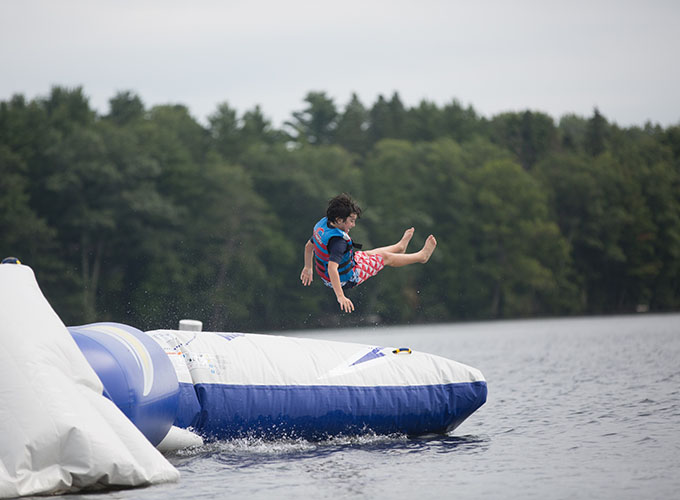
column 428, row 248
column 404, row 241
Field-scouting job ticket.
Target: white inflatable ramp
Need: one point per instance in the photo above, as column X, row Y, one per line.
column 58, row 433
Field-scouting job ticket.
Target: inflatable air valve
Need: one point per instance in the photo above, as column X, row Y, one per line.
column 190, row 325
column 136, row 373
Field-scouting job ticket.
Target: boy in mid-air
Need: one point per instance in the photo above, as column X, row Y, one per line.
column 338, row 263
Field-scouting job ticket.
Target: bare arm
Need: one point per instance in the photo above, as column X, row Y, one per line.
column 307, row 274
column 345, row 304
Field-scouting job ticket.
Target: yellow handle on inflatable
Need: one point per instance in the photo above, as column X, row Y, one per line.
column 402, row 350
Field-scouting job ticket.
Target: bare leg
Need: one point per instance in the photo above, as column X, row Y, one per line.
column 398, row 247
column 404, row 259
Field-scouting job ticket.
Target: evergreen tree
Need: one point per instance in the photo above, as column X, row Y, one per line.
column 125, row 107
column 352, row 125
column 529, row 135
column 257, row 129
column 315, row 124
column 379, row 121
column 572, row 132
column 459, row 123
column 596, row 134
column 225, row 132
column 424, row 123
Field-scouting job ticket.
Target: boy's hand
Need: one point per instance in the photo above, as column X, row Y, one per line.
column 306, row 276
column 345, row 304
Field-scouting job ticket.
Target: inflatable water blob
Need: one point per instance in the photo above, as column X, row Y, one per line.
column 224, row 385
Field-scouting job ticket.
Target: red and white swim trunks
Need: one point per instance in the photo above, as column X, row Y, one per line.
column 367, row 265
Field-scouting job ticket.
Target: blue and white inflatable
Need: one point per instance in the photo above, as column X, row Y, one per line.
column 137, row 375
column 247, row 384
column 225, row 385
column 67, row 392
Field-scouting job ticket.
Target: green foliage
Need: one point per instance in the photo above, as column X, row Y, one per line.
column 146, row 216
column 596, row 134
column 352, row 125
column 23, row 231
column 459, row 123
column 529, row 135
column 387, row 119
column 520, row 253
column 125, row 107
column 424, row 123
column 315, row 124
column 572, row 133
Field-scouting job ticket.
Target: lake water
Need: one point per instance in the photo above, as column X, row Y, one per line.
column 577, row 408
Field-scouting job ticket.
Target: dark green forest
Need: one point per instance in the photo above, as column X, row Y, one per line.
column 145, row 216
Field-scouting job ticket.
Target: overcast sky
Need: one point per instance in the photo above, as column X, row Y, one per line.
column 553, row 56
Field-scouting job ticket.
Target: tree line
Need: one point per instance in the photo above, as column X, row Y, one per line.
column 146, row 216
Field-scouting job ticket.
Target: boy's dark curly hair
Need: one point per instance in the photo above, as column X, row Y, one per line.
column 341, row 207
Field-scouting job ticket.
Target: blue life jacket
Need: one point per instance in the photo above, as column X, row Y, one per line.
column 322, row 235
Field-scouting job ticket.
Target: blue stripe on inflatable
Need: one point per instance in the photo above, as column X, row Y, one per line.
column 229, row 411
column 188, row 409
